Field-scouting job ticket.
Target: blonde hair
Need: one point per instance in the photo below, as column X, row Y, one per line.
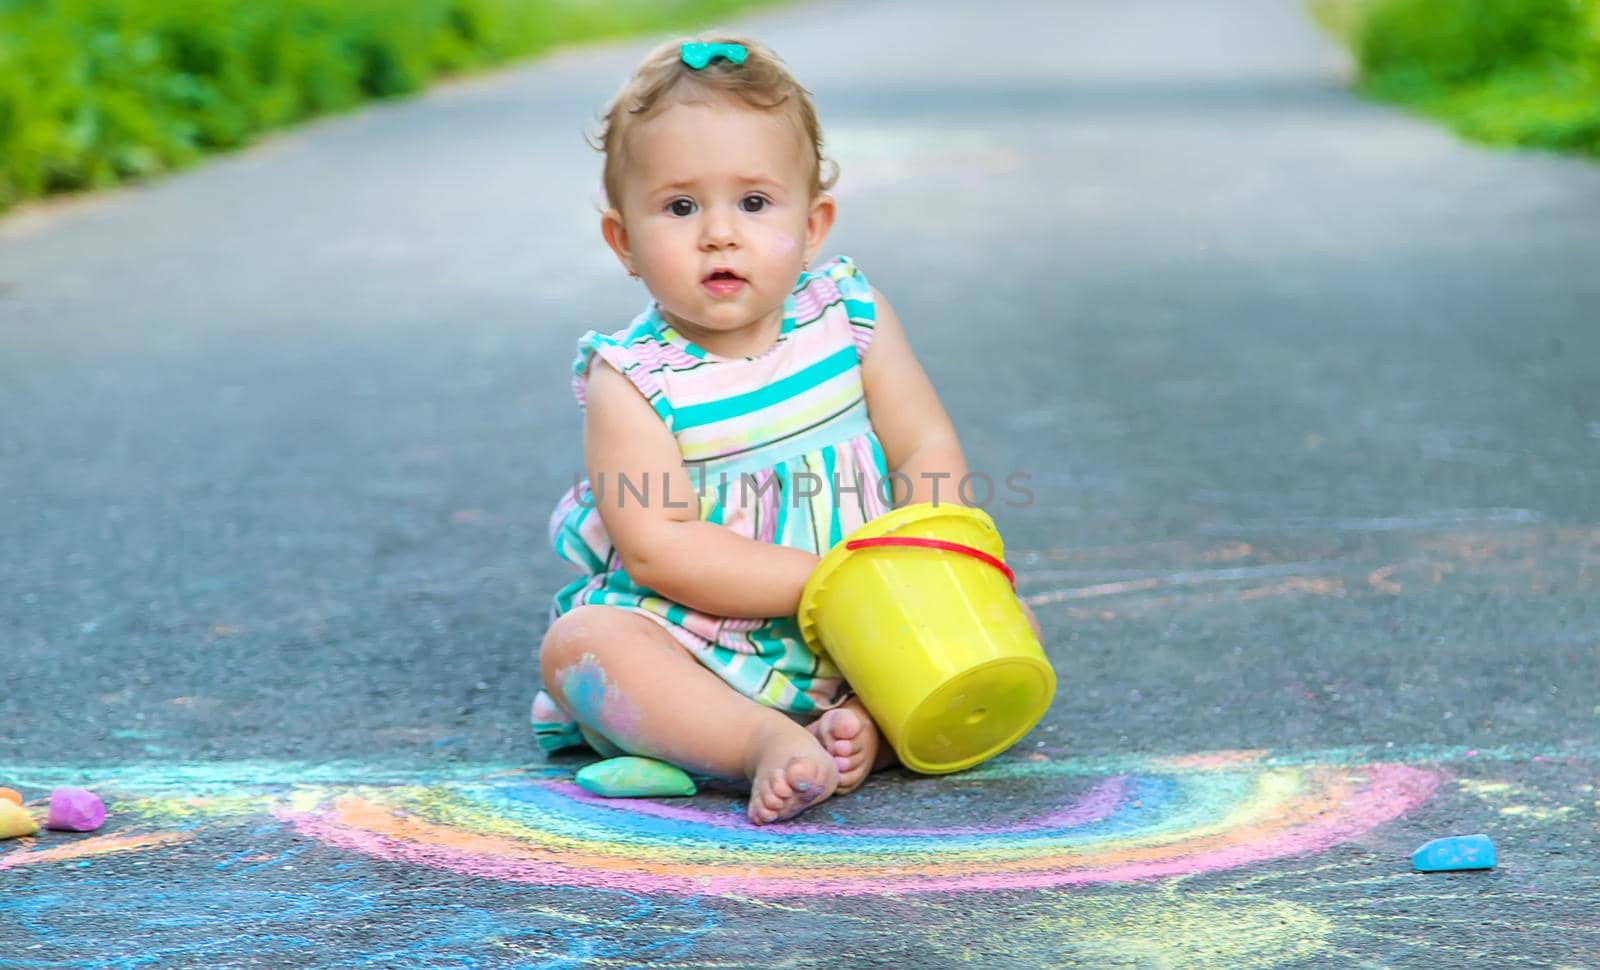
column 762, row 82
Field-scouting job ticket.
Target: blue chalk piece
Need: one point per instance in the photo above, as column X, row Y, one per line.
column 1454, row 853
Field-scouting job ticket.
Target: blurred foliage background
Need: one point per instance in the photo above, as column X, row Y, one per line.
column 1508, row 72
column 94, row 92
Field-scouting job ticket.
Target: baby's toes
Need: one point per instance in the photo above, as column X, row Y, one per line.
column 804, row 780
column 786, row 791
column 851, row 778
column 842, row 724
column 839, row 733
column 768, row 797
column 851, row 741
column 847, row 755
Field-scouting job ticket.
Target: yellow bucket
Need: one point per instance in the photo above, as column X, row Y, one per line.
column 930, row 635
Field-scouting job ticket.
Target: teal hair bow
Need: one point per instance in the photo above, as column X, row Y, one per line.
column 698, row 56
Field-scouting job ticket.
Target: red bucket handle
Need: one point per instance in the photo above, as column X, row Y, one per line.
column 955, row 547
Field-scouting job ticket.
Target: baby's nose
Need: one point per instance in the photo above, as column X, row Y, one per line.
column 719, row 229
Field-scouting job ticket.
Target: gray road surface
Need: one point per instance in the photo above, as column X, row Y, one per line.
column 1307, row 393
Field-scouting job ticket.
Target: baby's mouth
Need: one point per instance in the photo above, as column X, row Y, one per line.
column 723, row 282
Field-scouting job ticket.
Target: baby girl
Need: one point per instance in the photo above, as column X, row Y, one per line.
column 738, row 428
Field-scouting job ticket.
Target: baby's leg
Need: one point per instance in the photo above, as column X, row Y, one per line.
column 625, row 678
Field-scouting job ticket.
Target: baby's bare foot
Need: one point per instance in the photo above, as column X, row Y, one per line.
column 791, row 774
column 850, row 736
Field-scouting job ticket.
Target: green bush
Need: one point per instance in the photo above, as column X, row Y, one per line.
column 1519, row 72
column 93, row 92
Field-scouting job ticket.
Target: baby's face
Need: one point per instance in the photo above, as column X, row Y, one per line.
column 716, row 206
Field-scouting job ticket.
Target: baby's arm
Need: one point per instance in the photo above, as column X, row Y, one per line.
column 666, row 547
column 916, row 434
column 918, row 439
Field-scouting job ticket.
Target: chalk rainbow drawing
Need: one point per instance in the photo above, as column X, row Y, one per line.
column 1176, row 817
column 1215, row 859
column 554, row 834
column 1154, row 818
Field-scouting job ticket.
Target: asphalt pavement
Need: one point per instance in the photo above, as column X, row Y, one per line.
column 1304, row 391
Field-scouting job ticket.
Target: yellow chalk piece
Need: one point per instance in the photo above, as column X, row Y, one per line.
column 11, row 795
column 15, row 820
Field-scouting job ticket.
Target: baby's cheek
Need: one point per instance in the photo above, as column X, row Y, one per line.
column 783, row 244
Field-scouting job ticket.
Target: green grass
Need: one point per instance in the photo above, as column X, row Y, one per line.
column 1506, row 72
column 1337, row 17
column 97, row 92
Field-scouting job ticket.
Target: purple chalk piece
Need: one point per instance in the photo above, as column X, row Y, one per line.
column 75, row 810
column 1454, row 853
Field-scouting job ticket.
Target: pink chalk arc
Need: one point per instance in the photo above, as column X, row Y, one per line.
column 1139, row 826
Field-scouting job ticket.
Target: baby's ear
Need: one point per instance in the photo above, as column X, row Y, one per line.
column 818, row 222
column 615, row 232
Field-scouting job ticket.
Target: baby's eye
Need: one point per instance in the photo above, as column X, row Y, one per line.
column 681, row 207
column 753, row 203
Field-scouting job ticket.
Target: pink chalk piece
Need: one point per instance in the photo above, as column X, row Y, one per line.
column 75, row 810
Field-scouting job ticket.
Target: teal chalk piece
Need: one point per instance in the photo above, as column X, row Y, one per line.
column 632, row 777
column 1455, row 853
column 698, row 56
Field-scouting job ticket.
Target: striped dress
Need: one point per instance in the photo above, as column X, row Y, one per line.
column 779, row 449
